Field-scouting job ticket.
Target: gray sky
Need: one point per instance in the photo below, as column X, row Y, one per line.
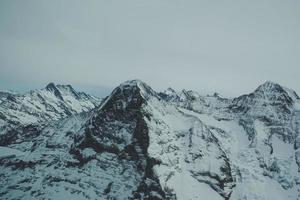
column 226, row 46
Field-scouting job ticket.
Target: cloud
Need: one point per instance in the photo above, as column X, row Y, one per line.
column 229, row 47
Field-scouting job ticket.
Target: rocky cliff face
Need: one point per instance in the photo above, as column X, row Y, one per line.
column 140, row 144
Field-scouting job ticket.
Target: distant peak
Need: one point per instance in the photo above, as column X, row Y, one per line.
column 216, row 94
column 170, row 90
column 270, row 87
column 269, row 84
column 68, row 89
column 134, row 82
column 65, row 87
column 130, row 92
column 273, row 92
column 51, row 86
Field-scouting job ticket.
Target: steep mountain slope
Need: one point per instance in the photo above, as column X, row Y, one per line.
column 140, row 144
column 260, row 134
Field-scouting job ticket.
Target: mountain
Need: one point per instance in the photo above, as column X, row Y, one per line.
column 38, row 107
column 142, row 144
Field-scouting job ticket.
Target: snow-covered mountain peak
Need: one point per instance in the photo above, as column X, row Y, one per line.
column 189, row 94
column 275, row 92
column 133, row 83
column 272, row 91
column 62, row 90
column 40, row 105
column 269, row 99
column 51, row 87
column 170, row 91
column 137, row 84
column 140, row 144
column 169, row 94
column 130, row 93
column 269, row 84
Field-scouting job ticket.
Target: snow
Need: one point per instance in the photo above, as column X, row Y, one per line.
column 170, row 143
column 199, row 143
column 297, row 105
column 88, row 152
column 42, row 105
column 7, row 152
column 252, row 184
column 282, row 149
column 265, row 189
column 188, row 188
column 260, row 130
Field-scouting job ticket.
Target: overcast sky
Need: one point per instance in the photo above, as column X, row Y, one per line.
column 226, row 46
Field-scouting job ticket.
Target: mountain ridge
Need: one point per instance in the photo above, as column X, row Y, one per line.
column 142, row 144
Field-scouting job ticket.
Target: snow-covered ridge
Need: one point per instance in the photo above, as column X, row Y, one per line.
column 141, row 144
column 50, row 103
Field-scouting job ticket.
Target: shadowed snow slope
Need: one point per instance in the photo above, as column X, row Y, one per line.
column 140, row 144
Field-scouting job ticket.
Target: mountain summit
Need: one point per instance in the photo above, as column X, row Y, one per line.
column 273, row 92
column 38, row 106
column 141, row 144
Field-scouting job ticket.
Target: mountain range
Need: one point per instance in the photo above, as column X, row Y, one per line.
column 138, row 143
